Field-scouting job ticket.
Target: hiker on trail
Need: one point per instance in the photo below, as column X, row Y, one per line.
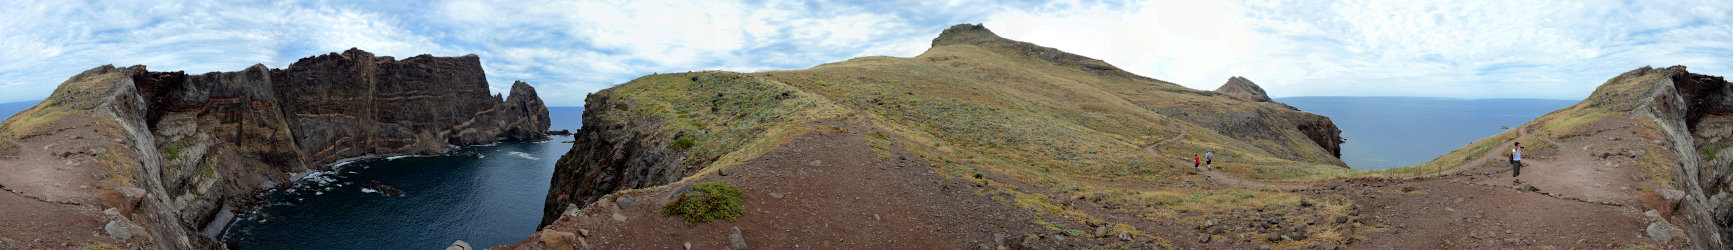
column 1516, row 160
column 1207, row 157
column 1195, row 162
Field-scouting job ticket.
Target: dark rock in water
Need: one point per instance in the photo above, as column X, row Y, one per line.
column 560, row 132
column 382, row 188
column 569, row 142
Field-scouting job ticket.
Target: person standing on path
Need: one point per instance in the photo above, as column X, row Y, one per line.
column 1208, row 157
column 1195, row 163
column 1516, row 160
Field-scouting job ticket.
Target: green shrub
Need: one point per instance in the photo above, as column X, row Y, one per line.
column 706, row 202
column 685, row 142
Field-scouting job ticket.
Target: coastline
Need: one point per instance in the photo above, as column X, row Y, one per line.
column 323, row 177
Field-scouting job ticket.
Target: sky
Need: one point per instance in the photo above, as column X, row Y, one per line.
column 567, row 49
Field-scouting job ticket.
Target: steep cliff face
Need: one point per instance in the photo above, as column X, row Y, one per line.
column 1695, row 114
column 610, row 154
column 203, row 142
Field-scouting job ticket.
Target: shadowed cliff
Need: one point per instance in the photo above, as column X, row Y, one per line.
column 172, row 151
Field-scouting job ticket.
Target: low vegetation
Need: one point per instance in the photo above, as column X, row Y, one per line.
column 706, row 202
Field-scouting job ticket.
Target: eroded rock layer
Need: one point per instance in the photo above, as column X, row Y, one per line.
column 200, row 142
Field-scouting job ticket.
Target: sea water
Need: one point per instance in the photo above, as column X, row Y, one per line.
column 1389, row 132
column 489, row 200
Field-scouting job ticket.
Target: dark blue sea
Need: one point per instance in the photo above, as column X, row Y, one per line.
column 486, row 201
column 489, row 200
column 1389, row 132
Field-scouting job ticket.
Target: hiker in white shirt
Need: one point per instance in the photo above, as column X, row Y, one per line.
column 1516, row 160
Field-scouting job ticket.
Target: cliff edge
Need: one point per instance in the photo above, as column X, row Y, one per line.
column 170, row 156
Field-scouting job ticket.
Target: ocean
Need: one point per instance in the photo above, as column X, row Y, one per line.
column 1389, row 132
column 486, row 201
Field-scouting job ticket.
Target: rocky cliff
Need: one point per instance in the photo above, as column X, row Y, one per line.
column 1683, row 122
column 972, row 96
column 1694, row 114
column 197, row 143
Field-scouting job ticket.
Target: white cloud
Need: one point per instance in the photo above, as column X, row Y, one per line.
column 570, row 48
column 1410, row 48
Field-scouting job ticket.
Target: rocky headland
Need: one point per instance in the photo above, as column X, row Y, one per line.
column 153, row 158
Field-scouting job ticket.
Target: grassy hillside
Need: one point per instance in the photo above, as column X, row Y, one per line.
column 977, row 103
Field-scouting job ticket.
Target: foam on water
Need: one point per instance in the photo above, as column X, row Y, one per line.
column 524, row 155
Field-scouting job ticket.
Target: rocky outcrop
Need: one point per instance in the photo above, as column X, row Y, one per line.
column 1244, row 90
column 203, row 141
column 610, row 154
column 1692, row 114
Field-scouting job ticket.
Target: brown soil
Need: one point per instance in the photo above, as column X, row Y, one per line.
column 51, row 198
column 1583, row 201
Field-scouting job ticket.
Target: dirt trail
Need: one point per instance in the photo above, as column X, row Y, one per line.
column 1585, row 199
column 828, row 190
column 1217, row 175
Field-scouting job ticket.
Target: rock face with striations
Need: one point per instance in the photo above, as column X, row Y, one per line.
column 198, row 142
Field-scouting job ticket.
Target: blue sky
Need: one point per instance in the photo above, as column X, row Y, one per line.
column 1463, row 49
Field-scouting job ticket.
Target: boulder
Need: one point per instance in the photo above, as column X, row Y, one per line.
column 736, row 240
column 1664, row 201
column 559, row 240
column 119, row 229
column 1664, row 232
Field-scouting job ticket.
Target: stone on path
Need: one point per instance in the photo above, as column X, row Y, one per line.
column 559, row 240
column 736, row 240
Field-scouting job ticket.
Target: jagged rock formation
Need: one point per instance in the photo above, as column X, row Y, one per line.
column 1692, row 113
column 1243, row 89
column 199, row 142
column 611, row 154
column 975, row 94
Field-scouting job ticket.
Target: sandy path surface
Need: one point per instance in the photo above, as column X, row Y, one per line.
column 50, row 197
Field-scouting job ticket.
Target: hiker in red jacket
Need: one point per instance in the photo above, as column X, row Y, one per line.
column 1195, row 162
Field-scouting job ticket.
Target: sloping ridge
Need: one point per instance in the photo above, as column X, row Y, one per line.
column 172, row 151
column 973, row 102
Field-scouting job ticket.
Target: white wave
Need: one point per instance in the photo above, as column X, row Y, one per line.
column 368, row 190
column 319, row 193
column 524, row 155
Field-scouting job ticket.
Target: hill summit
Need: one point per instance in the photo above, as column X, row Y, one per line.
column 1243, row 89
